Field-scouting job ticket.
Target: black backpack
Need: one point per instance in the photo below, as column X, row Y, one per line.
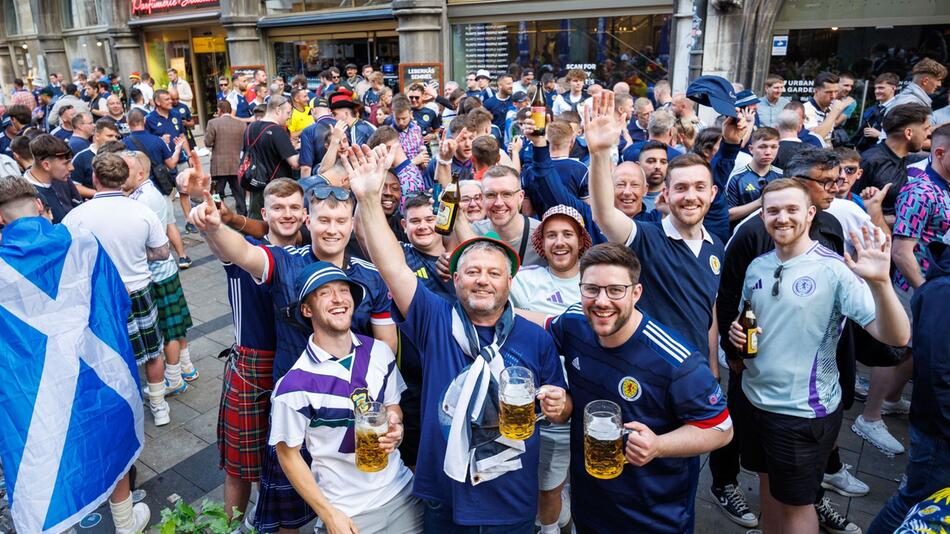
column 161, row 176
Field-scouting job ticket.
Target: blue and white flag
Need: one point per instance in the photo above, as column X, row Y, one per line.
column 71, row 419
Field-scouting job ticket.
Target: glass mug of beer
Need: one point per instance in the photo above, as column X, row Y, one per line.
column 603, row 439
column 371, row 423
column 516, row 397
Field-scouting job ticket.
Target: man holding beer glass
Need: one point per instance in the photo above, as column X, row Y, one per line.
column 471, row 478
column 341, row 398
column 626, row 369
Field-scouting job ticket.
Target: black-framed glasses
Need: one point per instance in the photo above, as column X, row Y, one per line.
column 323, row 192
column 778, row 280
column 850, row 170
column 614, row 291
column 828, row 185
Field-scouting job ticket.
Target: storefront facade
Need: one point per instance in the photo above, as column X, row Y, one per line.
column 611, row 41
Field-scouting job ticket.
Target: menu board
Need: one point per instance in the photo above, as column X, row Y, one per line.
column 485, row 46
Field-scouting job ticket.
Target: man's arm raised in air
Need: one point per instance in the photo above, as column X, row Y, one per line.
column 228, row 245
column 367, row 172
column 602, row 132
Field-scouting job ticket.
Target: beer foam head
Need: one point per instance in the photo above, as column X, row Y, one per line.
column 603, row 428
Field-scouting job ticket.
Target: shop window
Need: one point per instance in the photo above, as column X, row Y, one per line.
column 610, row 49
column 11, row 19
column 309, row 57
column 81, row 13
column 277, row 7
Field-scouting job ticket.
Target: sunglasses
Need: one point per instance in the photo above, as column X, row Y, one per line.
column 850, row 170
column 324, row 191
column 414, row 98
column 778, row 280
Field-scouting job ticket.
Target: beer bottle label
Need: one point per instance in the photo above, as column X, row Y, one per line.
column 538, row 115
column 444, row 217
column 753, row 337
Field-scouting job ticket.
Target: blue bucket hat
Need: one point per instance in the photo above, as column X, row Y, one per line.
column 715, row 92
column 746, row 98
column 316, row 275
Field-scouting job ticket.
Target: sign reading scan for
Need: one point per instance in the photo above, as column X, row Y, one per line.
column 429, row 73
column 147, row 7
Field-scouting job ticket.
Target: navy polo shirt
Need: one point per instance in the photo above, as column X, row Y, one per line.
column 61, row 133
column 427, row 119
column 153, row 146
column 82, row 168
column 462, row 168
column 513, row 497
column 244, row 110
column 252, row 307
column 283, row 266
column 632, row 152
column 679, row 287
column 171, row 125
column 77, row 144
column 499, row 110
column 657, row 379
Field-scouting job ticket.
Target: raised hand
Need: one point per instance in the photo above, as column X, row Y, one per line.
column 733, row 130
column 872, row 255
column 206, row 215
column 447, row 147
column 366, row 169
column 602, row 126
column 338, row 132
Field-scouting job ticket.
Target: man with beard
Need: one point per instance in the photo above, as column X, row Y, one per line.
column 243, row 417
column 455, row 153
column 680, row 244
column 500, row 102
column 336, row 376
column 670, row 404
column 562, row 240
column 654, row 161
column 465, row 344
column 330, row 223
column 790, row 418
column 238, row 97
column 908, row 129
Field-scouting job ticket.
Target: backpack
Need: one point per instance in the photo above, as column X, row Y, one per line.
column 161, row 176
column 252, row 175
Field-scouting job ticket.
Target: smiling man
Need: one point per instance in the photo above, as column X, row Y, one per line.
column 503, row 196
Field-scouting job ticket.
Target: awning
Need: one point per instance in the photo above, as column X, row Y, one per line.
column 317, row 18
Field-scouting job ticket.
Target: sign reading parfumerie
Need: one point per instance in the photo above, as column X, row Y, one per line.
column 428, row 73
column 147, row 7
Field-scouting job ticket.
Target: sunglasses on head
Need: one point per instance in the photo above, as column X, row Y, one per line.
column 324, row 191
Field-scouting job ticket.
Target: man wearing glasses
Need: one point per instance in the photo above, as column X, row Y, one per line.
column 330, row 222
column 800, row 292
column 503, row 197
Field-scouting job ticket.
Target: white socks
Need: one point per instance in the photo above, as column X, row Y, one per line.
column 550, row 529
column 156, row 393
column 173, row 374
column 184, row 361
column 122, row 514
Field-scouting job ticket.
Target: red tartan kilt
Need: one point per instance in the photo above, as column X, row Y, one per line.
column 244, row 412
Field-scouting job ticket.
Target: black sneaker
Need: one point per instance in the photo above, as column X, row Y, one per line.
column 184, row 262
column 190, row 228
column 832, row 521
column 733, row 503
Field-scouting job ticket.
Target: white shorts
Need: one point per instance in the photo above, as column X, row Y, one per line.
column 555, row 457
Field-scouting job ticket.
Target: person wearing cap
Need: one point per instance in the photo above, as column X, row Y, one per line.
column 823, row 110
column 928, row 76
column 482, row 88
column 334, row 378
column 561, row 239
column 519, row 101
column 669, row 401
column 346, row 110
column 462, row 344
column 680, row 244
column 353, row 77
column 330, row 223
column 142, row 82
column 500, row 103
column 525, row 82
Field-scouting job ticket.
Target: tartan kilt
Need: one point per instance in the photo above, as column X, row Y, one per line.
column 278, row 504
column 244, row 410
column 143, row 328
column 174, row 319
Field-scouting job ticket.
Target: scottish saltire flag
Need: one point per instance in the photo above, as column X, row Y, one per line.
column 70, row 408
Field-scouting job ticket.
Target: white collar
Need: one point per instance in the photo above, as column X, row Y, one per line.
column 673, row 233
column 318, row 355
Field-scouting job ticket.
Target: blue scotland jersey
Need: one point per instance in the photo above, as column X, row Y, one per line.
column 746, row 186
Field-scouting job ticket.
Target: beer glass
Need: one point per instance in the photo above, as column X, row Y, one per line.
column 516, row 397
column 603, row 443
column 371, row 423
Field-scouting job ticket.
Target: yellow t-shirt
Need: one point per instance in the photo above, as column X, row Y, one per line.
column 299, row 119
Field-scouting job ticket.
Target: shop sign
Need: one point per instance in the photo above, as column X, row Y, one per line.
column 427, row 73
column 779, row 45
column 207, row 45
column 588, row 69
column 147, row 7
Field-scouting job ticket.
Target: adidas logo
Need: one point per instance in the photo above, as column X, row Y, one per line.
column 556, row 298
column 758, row 285
column 421, row 273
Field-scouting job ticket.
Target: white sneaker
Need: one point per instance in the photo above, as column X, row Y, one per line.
column 565, row 517
column 900, row 407
column 876, row 434
column 844, row 483
column 161, row 413
column 142, row 515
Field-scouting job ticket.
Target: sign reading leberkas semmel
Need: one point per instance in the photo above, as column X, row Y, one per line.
column 147, row 7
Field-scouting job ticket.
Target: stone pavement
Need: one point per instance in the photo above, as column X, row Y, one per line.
column 180, row 460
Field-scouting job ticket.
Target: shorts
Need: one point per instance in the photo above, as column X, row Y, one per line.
column 174, row 319
column 143, row 328
column 904, row 295
column 244, row 410
column 555, row 455
column 170, row 199
column 278, row 503
column 793, row 451
column 400, row 515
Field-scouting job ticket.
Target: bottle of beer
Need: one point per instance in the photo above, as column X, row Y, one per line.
column 448, row 207
column 539, row 110
column 750, row 327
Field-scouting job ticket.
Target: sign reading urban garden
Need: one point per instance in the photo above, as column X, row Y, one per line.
column 147, row 7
